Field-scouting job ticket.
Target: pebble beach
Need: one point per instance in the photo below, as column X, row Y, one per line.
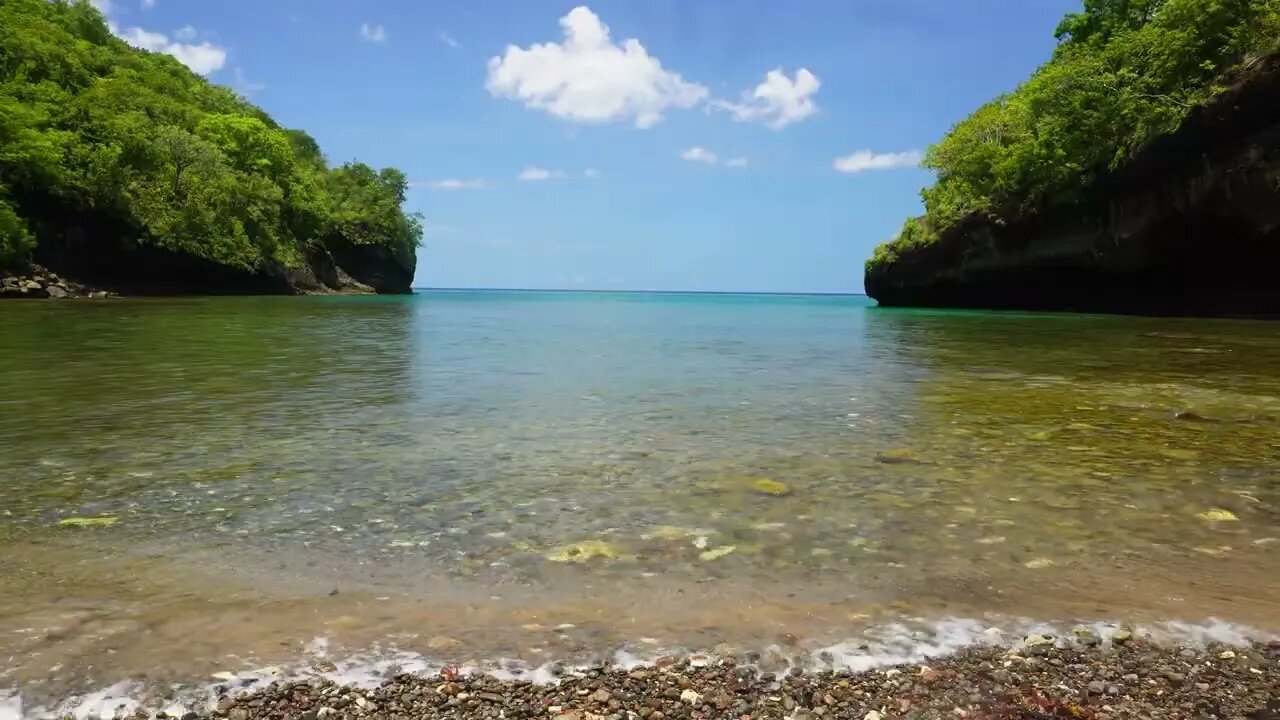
column 1041, row 679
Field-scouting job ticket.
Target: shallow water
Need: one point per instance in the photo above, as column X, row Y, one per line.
column 460, row 472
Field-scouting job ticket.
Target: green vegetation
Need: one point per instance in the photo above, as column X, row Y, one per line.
column 1124, row 72
column 131, row 147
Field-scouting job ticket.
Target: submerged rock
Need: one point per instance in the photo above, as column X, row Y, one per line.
column 584, row 551
column 716, row 553
column 84, row 522
column 765, row 486
column 1218, row 515
column 897, row 455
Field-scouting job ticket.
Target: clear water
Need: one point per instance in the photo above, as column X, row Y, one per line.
column 467, row 468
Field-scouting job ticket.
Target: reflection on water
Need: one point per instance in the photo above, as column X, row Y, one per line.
column 789, row 461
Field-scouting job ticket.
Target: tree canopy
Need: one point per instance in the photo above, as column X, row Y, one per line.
column 90, row 126
column 1124, row 72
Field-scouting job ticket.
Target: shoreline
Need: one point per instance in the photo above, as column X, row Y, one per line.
column 1091, row 671
column 1087, row 676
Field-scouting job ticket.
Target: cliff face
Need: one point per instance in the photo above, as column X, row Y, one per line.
column 1190, row 226
column 100, row 258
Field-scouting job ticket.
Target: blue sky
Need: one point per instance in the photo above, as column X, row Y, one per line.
column 668, row 154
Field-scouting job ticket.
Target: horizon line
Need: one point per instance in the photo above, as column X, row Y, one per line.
column 649, row 292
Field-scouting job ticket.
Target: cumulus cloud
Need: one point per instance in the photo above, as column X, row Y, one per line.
column 453, row 184
column 697, row 153
column 868, row 160
column 373, row 33
column 202, row 58
column 738, row 162
column 537, row 173
column 447, row 39
column 778, row 101
column 589, row 78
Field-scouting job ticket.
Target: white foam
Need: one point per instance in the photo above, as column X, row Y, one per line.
column 10, row 704
column 910, row 641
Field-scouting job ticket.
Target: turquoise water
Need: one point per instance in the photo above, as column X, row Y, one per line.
column 257, row 472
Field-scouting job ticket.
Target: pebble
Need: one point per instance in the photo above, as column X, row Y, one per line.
column 1066, row 681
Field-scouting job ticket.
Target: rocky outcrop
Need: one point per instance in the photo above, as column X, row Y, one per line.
column 1190, row 226
column 125, row 268
column 38, row 282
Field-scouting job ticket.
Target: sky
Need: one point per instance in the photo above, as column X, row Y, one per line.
column 716, row 145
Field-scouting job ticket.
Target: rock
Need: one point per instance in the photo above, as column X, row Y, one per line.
column 1097, row 687
column 584, row 551
column 1218, row 515
column 1037, row 640
column 98, row 294
column 896, row 456
column 716, row 553
column 691, row 697
column 238, row 714
column 773, row 488
column 1121, row 636
column 872, row 715
column 56, row 291
column 442, row 642
column 91, row 522
column 225, row 704
column 602, row 696
column 30, row 285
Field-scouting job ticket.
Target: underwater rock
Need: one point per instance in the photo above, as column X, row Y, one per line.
column 716, row 553
column 84, row 522
column 773, row 488
column 584, row 551
column 896, row 456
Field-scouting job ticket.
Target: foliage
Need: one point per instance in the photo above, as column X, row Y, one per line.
column 92, row 130
column 1124, row 72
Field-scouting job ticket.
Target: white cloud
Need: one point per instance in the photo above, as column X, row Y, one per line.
column 203, row 58
column 589, row 78
column 148, row 4
column 868, row 160
column 697, row 153
column 738, row 162
column 186, row 33
column 102, row 6
column 778, row 101
column 453, row 184
column 537, row 173
column 447, row 39
column 373, row 33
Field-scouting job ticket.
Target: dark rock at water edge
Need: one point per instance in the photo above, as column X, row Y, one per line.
column 1191, row 226
column 37, row 282
column 107, row 260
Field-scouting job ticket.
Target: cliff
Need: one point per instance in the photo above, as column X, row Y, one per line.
column 1189, row 225
column 121, row 169
column 106, row 260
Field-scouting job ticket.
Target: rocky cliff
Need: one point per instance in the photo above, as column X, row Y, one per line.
column 74, row 262
column 1190, row 226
